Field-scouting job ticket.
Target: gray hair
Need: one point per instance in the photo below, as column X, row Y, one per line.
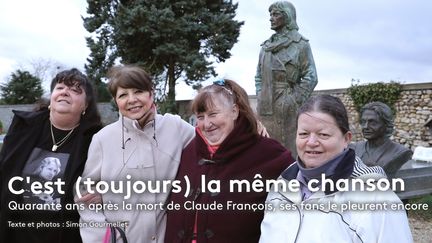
column 288, row 11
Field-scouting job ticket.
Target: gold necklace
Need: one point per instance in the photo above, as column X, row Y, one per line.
column 62, row 141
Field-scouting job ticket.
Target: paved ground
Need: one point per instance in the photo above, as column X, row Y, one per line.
column 421, row 230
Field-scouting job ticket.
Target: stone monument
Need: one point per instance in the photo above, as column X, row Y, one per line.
column 286, row 75
column 376, row 121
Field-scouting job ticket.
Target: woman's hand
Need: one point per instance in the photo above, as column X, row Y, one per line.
column 262, row 130
column 90, row 198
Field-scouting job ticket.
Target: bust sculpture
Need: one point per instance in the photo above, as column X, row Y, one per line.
column 286, row 75
column 376, row 121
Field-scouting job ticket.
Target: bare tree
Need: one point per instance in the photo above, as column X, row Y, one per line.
column 45, row 69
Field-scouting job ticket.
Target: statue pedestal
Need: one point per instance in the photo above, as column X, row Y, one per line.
column 417, row 176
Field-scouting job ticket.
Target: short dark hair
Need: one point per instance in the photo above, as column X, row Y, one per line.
column 73, row 77
column 129, row 76
column 330, row 105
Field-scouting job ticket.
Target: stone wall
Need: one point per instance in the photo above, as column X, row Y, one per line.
column 6, row 114
column 108, row 115
column 413, row 111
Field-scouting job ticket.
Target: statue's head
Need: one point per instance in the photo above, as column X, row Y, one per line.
column 376, row 120
column 288, row 11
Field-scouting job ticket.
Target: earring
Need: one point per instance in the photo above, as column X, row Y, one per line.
column 49, row 107
column 83, row 113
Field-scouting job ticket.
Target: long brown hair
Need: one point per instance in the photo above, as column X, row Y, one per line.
column 233, row 93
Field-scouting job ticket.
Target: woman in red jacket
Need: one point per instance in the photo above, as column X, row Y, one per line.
column 226, row 147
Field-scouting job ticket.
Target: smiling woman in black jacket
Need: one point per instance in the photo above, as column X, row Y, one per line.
column 63, row 131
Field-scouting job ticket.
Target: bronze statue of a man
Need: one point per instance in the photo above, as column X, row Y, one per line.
column 286, row 75
column 376, row 122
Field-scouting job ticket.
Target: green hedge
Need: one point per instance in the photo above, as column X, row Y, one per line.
column 387, row 93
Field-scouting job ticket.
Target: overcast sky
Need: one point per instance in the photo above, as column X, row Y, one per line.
column 369, row 40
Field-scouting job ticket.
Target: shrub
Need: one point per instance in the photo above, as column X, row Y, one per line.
column 387, row 93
